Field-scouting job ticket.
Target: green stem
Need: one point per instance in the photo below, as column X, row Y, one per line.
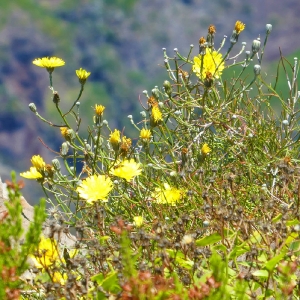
column 79, row 96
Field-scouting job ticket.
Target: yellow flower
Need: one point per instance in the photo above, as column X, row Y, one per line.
column 99, row 109
column 64, row 131
column 38, row 162
column 127, row 169
column 82, row 75
column 145, row 134
column 32, row 174
column 48, row 62
column 115, row 139
column 239, row 27
column 167, row 195
column 94, row 188
column 58, row 277
column 156, row 114
column 47, row 253
column 212, row 63
column 205, row 149
column 138, row 221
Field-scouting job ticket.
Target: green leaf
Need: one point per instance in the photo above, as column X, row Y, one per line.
column 181, row 259
column 292, row 222
column 110, row 283
column 239, row 250
column 261, row 273
column 277, row 218
column 208, row 240
column 270, row 265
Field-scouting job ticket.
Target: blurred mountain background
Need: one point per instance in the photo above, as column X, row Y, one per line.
column 119, row 42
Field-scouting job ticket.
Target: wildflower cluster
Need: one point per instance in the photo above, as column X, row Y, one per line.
column 199, row 201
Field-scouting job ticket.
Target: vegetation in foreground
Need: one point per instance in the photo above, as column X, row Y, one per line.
column 202, row 204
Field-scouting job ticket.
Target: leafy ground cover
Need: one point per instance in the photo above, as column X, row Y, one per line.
column 202, row 204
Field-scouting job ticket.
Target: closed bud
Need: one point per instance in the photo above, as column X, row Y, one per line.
column 268, row 28
column 247, row 55
column 257, row 69
column 32, row 107
column 167, row 86
column 70, row 135
column 255, row 46
column 64, row 149
column 155, row 93
column 56, row 164
column 56, row 98
column 234, row 37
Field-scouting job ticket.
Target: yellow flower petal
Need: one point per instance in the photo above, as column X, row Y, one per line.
column 94, row 188
column 48, row 62
column 205, row 149
column 38, row 162
column 47, row 253
column 127, row 169
column 168, row 195
column 211, row 63
column 32, row 174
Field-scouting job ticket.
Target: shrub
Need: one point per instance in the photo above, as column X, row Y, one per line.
column 202, row 203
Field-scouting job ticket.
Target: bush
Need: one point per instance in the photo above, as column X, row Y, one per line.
column 203, row 203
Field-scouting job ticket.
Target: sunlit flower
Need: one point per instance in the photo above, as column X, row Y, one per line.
column 211, row 62
column 156, row 114
column 58, row 277
column 239, row 27
column 168, row 195
column 115, row 139
column 38, row 162
column 205, row 149
column 145, row 134
column 32, row 174
column 82, row 75
column 138, row 221
column 64, row 131
column 94, row 188
column 127, row 169
column 48, row 62
column 47, row 253
column 99, row 109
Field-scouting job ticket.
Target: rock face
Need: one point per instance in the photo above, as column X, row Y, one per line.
column 51, row 226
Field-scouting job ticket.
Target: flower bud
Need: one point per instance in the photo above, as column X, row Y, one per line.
column 234, row 37
column 285, row 122
column 205, row 223
column 56, row 98
column 257, row 69
column 143, row 114
column 268, row 28
column 70, row 135
column 247, row 55
column 155, row 93
column 168, row 87
column 64, row 149
column 255, row 46
column 88, row 147
column 32, row 107
column 56, row 164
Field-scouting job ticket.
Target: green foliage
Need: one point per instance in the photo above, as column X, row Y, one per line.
column 15, row 247
column 212, row 172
